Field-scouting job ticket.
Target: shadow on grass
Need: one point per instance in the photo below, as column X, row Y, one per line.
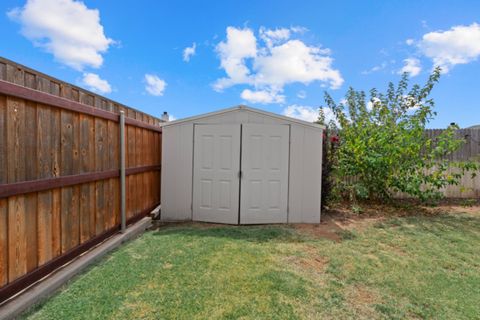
column 259, row 234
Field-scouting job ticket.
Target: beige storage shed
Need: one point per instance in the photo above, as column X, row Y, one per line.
column 241, row 166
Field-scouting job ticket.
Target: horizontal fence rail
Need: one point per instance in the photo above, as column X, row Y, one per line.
column 60, row 172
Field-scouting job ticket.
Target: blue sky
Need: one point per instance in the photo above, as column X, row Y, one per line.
column 279, row 56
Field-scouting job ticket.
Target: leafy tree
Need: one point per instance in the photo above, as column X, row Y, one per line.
column 382, row 146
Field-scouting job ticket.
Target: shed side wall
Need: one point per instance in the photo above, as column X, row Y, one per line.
column 305, row 175
column 177, row 151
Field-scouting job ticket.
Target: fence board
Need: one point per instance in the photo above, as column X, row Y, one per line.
column 17, row 242
column 3, row 139
column 31, row 230
column 3, row 242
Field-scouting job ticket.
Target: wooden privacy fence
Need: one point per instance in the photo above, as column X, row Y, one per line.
column 470, row 150
column 59, row 172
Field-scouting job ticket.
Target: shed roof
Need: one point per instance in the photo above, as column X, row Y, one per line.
column 244, row 108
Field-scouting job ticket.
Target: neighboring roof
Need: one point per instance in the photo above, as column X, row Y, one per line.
column 474, row 127
column 246, row 108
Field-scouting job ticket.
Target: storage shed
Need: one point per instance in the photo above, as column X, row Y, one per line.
column 241, row 166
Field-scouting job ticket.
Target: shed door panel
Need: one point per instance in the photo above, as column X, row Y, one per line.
column 215, row 178
column 264, row 185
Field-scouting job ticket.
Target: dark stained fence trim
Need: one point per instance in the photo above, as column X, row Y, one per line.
column 13, row 189
column 17, row 91
column 136, row 170
column 140, row 124
column 30, row 278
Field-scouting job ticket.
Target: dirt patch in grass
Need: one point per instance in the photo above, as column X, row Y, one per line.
column 340, row 221
column 337, row 227
column 363, row 300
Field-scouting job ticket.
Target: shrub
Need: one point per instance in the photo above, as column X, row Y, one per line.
column 382, row 148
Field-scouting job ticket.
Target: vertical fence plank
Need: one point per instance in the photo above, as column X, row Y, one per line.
column 17, row 243
column 31, row 174
column 56, row 152
column 131, row 162
column 3, row 179
column 44, row 163
column 100, row 156
column 3, row 242
column 15, row 140
column 3, row 139
column 139, row 162
column 16, row 172
column 31, row 230
column 67, row 169
column 87, row 190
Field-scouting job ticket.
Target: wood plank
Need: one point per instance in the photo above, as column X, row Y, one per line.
column 44, row 134
column 30, row 146
column 55, row 101
column 31, row 230
column 87, row 190
column 30, row 80
column 56, row 223
column 56, row 142
column 3, row 242
column 3, row 139
column 138, row 161
column 75, row 228
column 67, row 200
column 30, row 142
column 17, row 240
column 44, row 218
column 3, row 71
column 44, row 169
column 19, row 188
column 100, row 165
column 15, row 140
column 112, row 137
column 55, row 89
column 18, row 77
column 130, row 162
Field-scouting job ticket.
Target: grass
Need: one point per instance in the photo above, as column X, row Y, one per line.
column 409, row 267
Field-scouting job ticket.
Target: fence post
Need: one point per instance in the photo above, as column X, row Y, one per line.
column 122, row 172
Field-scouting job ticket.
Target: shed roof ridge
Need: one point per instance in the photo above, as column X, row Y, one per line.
column 246, row 108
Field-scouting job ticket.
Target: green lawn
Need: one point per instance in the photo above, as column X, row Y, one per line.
column 411, row 267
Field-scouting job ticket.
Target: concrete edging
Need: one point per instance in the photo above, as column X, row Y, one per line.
column 49, row 285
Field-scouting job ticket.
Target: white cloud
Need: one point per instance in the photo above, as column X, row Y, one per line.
column 294, row 61
column 189, row 52
column 155, row 86
column 95, row 83
column 308, row 113
column 301, row 112
column 271, row 37
column 409, row 42
column 268, row 68
column 240, row 45
column 65, row 28
column 262, row 96
column 458, row 45
column 411, row 66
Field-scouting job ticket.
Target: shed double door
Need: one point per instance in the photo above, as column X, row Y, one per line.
column 241, row 173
